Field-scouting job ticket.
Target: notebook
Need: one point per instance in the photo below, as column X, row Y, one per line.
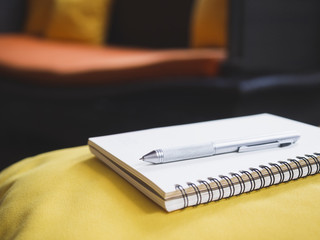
column 187, row 183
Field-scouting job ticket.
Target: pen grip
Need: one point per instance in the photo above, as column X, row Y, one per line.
column 184, row 153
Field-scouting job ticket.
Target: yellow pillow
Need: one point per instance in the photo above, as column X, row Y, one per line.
column 38, row 16
column 209, row 23
column 69, row 194
column 79, row 20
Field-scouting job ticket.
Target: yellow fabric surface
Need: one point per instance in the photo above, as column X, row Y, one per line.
column 38, row 16
column 69, row 194
column 79, row 20
column 209, row 23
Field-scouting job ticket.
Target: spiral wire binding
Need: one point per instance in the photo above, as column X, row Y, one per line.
column 209, row 189
column 316, row 161
column 230, row 184
column 270, row 173
column 299, row 167
column 241, row 182
column 307, row 163
column 251, row 179
column 197, row 191
column 261, row 177
column 280, row 171
column 220, row 187
column 184, row 195
column 290, row 170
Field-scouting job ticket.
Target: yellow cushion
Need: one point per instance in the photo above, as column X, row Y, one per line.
column 209, row 23
column 38, row 16
column 79, row 20
column 69, row 194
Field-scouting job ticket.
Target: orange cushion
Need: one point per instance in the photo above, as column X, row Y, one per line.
column 57, row 62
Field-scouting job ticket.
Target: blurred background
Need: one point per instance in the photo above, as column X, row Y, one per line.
column 73, row 69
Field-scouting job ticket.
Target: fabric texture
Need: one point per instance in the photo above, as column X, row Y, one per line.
column 71, row 20
column 79, row 20
column 55, row 62
column 209, row 23
column 69, row 194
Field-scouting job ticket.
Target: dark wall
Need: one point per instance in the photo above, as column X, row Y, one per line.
column 12, row 15
column 159, row 24
column 273, row 35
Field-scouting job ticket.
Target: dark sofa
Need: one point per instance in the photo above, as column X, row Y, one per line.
column 36, row 118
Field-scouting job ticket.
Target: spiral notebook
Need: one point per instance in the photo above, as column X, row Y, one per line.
column 187, row 183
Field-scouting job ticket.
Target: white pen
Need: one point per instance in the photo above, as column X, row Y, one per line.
column 167, row 155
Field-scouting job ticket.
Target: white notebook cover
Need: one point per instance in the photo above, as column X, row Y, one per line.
column 128, row 148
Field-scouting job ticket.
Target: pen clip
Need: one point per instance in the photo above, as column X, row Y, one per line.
column 262, row 146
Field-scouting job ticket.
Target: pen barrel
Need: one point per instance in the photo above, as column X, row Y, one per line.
column 184, row 153
column 226, row 147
